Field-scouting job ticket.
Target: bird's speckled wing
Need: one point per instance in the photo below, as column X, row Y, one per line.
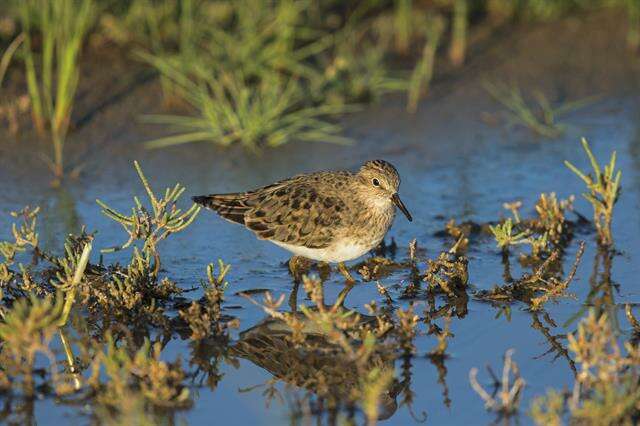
column 297, row 211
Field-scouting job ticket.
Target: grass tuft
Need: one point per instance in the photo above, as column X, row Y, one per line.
column 541, row 118
column 53, row 74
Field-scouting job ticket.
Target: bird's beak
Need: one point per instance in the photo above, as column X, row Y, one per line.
column 398, row 202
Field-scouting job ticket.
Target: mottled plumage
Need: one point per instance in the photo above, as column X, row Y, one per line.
column 326, row 216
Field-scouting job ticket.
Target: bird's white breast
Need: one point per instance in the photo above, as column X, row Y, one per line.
column 339, row 251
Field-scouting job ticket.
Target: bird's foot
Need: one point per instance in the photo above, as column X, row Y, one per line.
column 345, row 272
column 298, row 266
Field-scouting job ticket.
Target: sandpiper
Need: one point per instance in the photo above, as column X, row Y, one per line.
column 324, row 216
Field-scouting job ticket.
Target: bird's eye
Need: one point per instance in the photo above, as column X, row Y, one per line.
column 375, row 182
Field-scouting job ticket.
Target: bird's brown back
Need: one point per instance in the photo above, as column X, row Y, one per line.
column 305, row 210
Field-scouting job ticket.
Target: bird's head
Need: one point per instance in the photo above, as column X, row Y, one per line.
column 382, row 181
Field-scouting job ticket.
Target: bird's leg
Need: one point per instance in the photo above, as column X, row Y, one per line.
column 324, row 269
column 293, row 297
column 298, row 266
column 345, row 272
column 343, row 294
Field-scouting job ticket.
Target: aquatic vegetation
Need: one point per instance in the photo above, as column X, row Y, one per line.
column 350, row 353
column 25, row 331
column 63, row 26
column 604, row 190
column 606, row 389
column 548, row 233
column 135, row 292
column 423, row 72
column 507, row 400
column 106, row 358
column 633, row 34
column 505, row 237
column 553, row 287
column 458, row 46
column 551, row 217
column 152, row 227
column 270, row 113
column 541, row 118
column 549, row 229
column 73, row 268
column 537, row 287
column 24, row 235
column 159, row 382
column 10, row 108
column 199, row 318
column 448, row 274
column 461, row 234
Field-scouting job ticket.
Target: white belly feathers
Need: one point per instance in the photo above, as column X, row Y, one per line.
column 339, row 251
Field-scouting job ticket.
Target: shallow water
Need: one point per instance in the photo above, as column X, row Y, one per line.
column 466, row 176
column 453, row 165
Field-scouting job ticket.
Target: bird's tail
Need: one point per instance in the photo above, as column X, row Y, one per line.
column 230, row 206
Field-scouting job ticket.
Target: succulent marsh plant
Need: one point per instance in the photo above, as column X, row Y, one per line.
column 24, row 236
column 506, row 237
column 151, row 227
column 25, row 331
column 461, row 235
column 537, row 287
column 551, row 217
column 605, row 390
column 549, row 229
column 206, row 320
column 507, row 400
column 448, row 274
column 68, row 281
column 603, row 191
column 158, row 382
column 348, row 339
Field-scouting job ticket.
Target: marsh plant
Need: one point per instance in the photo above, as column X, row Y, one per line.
column 448, row 274
column 105, row 355
column 26, row 331
column 603, row 191
column 53, row 73
column 158, row 382
column 549, row 232
column 207, row 320
column 264, row 74
column 151, row 227
column 541, row 117
column 605, row 390
column 506, row 400
column 353, row 347
column 549, row 229
column 11, row 108
column 423, row 72
column 248, row 82
column 269, row 114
